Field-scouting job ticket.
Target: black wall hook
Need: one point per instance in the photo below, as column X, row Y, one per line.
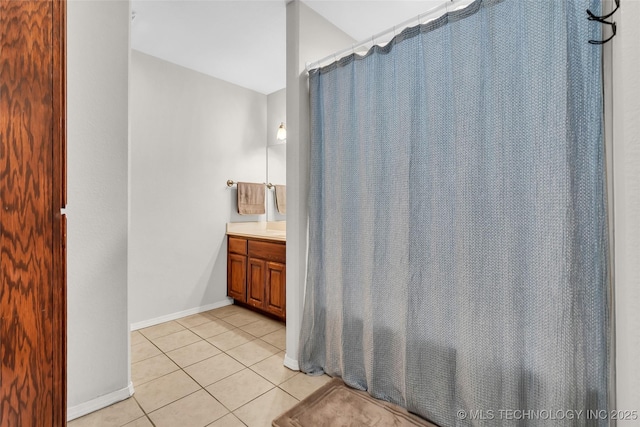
column 613, row 30
column 593, row 17
column 602, row 20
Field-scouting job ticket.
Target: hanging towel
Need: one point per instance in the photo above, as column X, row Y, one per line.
column 281, row 198
column 250, row 198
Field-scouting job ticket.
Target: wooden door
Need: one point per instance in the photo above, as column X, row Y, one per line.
column 275, row 289
column 32, row 228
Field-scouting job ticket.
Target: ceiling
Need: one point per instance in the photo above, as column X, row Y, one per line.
column 243, row 41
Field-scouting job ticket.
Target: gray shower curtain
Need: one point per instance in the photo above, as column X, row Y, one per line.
column 457, row 223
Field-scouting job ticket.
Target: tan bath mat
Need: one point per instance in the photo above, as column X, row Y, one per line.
column 336, row 405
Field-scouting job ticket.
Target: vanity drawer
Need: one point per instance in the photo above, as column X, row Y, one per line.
column 237, row 246
column 276, row 252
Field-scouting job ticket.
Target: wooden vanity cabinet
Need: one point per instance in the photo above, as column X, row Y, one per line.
column 256, row 274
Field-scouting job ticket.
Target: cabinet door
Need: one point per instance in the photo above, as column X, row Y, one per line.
column 237, row 277
column 255, row 282
column 275, row 295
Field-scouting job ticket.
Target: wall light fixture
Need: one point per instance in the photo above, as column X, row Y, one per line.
column 282, row 132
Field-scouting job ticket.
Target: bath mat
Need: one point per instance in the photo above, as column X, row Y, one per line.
column 336, row 405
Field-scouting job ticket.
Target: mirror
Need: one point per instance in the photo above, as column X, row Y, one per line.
column 276, row 151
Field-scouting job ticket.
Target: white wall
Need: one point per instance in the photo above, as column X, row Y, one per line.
column 309, row 37
column 190, row 133
column 97, row 151
column 626, row 147
column 276, row 150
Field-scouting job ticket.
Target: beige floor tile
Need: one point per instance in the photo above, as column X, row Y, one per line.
column 231, row 339
column 273, row 369
column 261, row 411
column 175, row 397
column 161, row 330
column 302, row 385
column 115, row 415
column 252, row 352
column 196, row 410
column 277, row 338
column 176, row 340
column 143, row 351
column 225, row 311
column 193, row 353
column 228, row 420
column 140, row 422
column 213, row 369
column 241, row 319
column 137, row 338
column 239, row 388
column 262, row 327
column 164, row 390
column 193, row 320
column 151, row 368
column 212, row 328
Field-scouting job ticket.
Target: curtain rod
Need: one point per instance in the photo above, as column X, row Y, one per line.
column 420, row 19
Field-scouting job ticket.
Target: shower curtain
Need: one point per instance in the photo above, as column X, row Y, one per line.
column 457, row 222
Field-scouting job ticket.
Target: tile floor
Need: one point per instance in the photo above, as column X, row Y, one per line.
column 221, row 368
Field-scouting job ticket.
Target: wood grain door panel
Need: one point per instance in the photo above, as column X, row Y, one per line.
column 32, row 152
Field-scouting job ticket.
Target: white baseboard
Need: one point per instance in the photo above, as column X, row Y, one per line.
column 178, row 315
column 291, row 363
column 99, row 402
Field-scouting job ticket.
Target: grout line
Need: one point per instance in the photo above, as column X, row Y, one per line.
column 205, row 386
column 154, row 326
column 153, row 344
column 289, row 393
column 143, row 411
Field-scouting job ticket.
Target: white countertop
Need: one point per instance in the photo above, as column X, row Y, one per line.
column 272, row 230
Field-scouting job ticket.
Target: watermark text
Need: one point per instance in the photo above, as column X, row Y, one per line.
column 547, row 414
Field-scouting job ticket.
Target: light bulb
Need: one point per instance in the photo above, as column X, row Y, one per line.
column 282, row 132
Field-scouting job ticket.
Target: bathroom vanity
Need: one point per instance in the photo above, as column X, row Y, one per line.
column 256, row 266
